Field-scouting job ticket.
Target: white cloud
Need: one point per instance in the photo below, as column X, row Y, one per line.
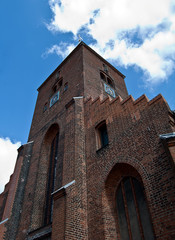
column 63, row 50
column 142, row 32
column 70, row 16
column 8, row 154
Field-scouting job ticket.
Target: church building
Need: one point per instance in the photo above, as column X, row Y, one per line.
column 98, row 164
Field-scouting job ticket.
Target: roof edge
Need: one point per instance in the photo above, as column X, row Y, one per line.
column 70, row 54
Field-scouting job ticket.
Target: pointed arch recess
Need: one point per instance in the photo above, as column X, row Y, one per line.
column 45, row 178
column 119, row 172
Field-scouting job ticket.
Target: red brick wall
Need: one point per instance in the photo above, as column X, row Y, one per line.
column 171, row 148
column 87, row 210
column 2, row 229
column 71, row 71
column 33, row 204
column 133, row 130
column 80, row 70
column 93, row 85
column 3, row 199
column 9, row 193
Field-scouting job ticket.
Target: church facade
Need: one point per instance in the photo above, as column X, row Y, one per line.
column 97, row 165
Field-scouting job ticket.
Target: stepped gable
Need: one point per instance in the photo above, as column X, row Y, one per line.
column 100, row 109
column 126, row 104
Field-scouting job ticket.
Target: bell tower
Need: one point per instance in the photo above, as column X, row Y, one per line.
column 54, row 185
column 83, row 73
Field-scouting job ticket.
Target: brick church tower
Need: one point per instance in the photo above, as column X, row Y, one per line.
column 97, row 165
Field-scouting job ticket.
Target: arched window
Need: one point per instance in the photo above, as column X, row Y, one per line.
column 109, row 81
column 102, row 76
column 52, row 161
column 133, row 215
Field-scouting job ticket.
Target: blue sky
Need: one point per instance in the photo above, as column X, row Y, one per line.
column 36, row 35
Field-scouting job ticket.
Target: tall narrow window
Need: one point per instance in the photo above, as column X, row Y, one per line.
column 133, row 214
column 102, row 76
column 65, row 86
column 109, row 81
column 51, row 180
column 58, row 74
column 54, row 89
column 102, row 135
